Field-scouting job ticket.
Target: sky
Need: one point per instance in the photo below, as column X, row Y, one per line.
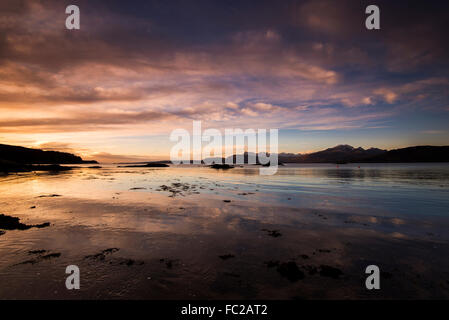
column 136, row 70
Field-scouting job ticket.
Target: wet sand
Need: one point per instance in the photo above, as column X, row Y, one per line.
column 146, row 234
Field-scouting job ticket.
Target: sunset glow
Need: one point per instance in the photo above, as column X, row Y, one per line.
column 116, row 88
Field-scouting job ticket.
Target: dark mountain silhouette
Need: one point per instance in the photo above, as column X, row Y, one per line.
column 346, row 154
column 22, row 155
column 339, row 154
column 413, row 154
column 20, row 159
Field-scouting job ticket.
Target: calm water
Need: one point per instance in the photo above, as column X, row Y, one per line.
column 383, row 189
column 171, row 225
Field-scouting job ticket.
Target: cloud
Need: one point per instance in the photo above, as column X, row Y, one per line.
column 305, row 65
column 388, row 95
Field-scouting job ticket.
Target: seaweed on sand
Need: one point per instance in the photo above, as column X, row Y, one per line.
column 13, row 223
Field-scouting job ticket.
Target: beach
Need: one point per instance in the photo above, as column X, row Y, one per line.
column 192, row 232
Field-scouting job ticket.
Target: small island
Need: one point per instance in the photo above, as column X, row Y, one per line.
column 147, row 165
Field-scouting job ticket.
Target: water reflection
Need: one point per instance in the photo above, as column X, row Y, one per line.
column 170, row 239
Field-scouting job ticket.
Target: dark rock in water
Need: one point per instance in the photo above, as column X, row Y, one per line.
column 94, row 167
column 221, row 166
column 226, row 256
column 273, row 233
column 148, row 165
column 138, row 188
column 269, row 164
column 331, row 272
column 49, row 196
column 2, row 232
column 290, row 271
column 13, row 223
column 33, row 207
column 227, row 201
column 157, row 165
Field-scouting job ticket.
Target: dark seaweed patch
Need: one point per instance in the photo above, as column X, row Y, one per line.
column 37, row 251
column 169, row 263
column 13, row 223
column 290, row 271
column 102, row 255
column 40, row 257
column 226, row 256
column 331, row 272
column 273, row 233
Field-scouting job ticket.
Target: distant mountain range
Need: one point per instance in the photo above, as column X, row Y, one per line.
column 347, row 154
column 339, row 154
column 15, row 159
